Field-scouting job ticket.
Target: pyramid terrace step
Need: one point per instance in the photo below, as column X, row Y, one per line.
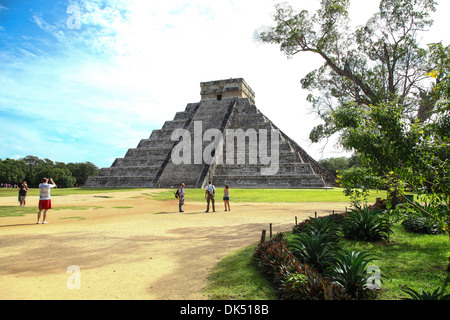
column 278, row 182
column 122, row 181
column 142, row 171
column 150, row 165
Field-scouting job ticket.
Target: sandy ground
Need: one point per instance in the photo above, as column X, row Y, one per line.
column 127, row 246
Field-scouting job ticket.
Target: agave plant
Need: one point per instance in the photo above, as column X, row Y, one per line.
column 323, row 226
column 349, row 271
column 366, row 224
column 315, row 250
column 424, row 295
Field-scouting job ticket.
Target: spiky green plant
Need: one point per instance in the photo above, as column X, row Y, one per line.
column 437, row 294
column 349, row 270
column 315, row 250
column 366, row 224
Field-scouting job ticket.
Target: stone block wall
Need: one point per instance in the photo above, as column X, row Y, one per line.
column 150, row 163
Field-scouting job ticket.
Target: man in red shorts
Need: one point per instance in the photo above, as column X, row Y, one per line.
column 45, row 201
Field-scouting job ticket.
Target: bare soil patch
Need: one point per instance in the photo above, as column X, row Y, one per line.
column 130, row 247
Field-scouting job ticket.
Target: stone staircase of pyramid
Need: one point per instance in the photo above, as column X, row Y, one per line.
column 290, row 171
column 239, row 163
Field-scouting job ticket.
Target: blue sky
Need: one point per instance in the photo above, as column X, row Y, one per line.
column 91, row 93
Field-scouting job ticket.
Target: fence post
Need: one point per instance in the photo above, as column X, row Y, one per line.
column 270, row 231
column 263, row 236
column 327, row 288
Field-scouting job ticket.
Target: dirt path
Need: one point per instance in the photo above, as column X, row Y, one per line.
column 128, row 246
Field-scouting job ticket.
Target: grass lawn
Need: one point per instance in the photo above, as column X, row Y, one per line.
column 236, row 195
column 235, row 278
column 10, row 192
column 409, row 259
column 270, row 195
column 8, row 211
column 11, row 211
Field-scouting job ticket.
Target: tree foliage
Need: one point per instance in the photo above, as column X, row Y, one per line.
column 32, row 169
column 383, row 93
column 380, row 62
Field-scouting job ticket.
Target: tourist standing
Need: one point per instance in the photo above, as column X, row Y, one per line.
column 23, row 190
column 226, row 197
column 210, row 191
column 45, row 202
column 181, row 192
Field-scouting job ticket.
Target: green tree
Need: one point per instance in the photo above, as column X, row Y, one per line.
column 60, row 174
column 82, row 171
column 377, row 63
column 32, row 163
column 12, row 171
column 386, row 97
column 335, row 165
column 373, row 89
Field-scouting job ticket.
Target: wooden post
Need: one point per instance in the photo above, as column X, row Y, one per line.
column 270, row 232
column 315, row 214
column 263, row 236
column 296, row 224
column 327, row 288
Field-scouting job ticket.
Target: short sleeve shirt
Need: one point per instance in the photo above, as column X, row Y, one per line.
column 44, row 191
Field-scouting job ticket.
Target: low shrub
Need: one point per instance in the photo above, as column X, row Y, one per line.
column 421, row 224
column 309, row 285
column 315, row 250
column 418, row 222
column 437, row 294
column 323, row 225
column 273, row 254
column 366, row 224
column 291, row 279
column 350, row 272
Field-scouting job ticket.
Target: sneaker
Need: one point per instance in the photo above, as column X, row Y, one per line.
column 44, row 222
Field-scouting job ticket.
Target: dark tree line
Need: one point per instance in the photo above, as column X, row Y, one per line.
column 32, row 169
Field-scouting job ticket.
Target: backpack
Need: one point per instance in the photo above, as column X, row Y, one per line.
column 177, row 193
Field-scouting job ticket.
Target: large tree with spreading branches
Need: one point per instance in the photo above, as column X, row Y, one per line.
column 384, row 94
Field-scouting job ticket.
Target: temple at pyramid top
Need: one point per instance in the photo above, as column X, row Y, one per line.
column 226, row 89
column 223, row 138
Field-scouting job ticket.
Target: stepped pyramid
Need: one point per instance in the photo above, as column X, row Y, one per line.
column 227, row 109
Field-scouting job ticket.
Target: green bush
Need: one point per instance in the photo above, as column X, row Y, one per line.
column 315, row 242
column 308, row 284
column 418, row 222
column 315, row 250
column 350, row 272
column 366, row 224
column 290, row 278
column 322, row 225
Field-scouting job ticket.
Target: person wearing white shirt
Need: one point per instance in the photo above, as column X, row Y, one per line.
column 45, row 202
